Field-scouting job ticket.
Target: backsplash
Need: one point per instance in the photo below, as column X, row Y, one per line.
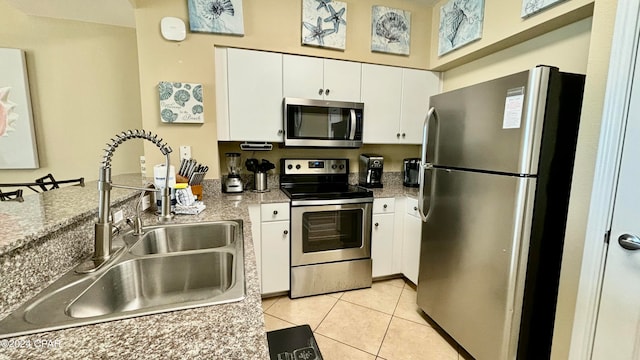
column 393, row 155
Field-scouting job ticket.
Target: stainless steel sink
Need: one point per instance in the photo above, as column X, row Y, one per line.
column 168, row 268
column 176, row 238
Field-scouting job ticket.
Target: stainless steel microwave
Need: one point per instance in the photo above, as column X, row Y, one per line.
column 319, row 123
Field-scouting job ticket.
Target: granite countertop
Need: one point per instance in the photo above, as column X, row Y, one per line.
column 44, row 213
column 234, row 330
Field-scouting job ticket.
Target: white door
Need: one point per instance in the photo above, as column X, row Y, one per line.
column 255, row 95
column 618, row 325
column 302, row 77
column 381, row 94
column 342, row 80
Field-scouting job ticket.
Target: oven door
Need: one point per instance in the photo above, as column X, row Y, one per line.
column 330, row 230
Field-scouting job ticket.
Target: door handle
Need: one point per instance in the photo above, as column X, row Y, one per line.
column 423, row 161
column 629, row 242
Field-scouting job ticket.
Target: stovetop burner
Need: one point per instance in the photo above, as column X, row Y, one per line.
column 318, row 179
column 325, row 191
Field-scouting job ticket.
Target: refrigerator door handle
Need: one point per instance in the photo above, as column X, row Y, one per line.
column 423, row 161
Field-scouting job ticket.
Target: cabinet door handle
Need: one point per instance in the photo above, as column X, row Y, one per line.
column 398, row 135
column 286, row 232
column 404, row 135
column 415, row 208
column 376, row 224
column 320, row 91
column 384, row 206
column 280, row 132
column 326, row 92
column 275, row 212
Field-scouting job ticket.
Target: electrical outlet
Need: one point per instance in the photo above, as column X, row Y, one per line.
column 185, row 152
column 146, row 202
column 118, row 216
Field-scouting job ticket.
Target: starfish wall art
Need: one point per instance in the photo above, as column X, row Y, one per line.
column 324, row 23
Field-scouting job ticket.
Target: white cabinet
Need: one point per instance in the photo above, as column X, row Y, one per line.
column 382, row 96
column 275, row 247
column 383, row 236
column 248, row 95
column 396, row 101
column 412, row 236
column 417, row 87
column 322, row 79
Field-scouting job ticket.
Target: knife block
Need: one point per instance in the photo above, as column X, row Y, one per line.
column 197, row 191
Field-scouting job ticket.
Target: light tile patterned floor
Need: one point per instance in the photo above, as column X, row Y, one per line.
column 382, row 323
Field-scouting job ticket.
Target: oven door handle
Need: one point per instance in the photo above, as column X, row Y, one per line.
column 331, row 202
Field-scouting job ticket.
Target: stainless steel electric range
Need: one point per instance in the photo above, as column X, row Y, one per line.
column 330, row 227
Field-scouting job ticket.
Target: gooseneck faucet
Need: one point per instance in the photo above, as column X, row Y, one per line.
column 104, row 224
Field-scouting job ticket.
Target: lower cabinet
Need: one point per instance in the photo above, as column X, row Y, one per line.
column 275, row 247
column 382, row 236
column 412, row 236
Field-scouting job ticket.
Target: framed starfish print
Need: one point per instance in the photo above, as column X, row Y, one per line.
column 324, row 23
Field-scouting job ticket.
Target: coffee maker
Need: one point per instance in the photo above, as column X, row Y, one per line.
column 371, row 170
column 233, row 183
column 411, row 172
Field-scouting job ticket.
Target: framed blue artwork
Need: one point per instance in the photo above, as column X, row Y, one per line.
column 530, row 7
column 460, row 23
column 390, row 30
column 216, row 16
column 180, row 102
column 324, row 23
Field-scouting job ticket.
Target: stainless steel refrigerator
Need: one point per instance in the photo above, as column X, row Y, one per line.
column 497, row 162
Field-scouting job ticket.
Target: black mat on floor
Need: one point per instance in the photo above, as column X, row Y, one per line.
column 294, row 343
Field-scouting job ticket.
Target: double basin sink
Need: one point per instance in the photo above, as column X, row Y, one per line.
column 168, row 267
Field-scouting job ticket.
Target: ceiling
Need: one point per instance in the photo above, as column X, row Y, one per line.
column 111, row 12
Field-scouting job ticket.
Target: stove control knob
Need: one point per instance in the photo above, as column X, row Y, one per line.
column 334, row 166
column 341, row 166
column 289, row 166
column 298, row 167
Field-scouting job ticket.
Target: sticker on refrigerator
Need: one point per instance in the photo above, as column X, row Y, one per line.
column 513, row 108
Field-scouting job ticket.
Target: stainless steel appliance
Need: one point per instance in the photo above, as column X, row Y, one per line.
column 330, row 227
column 233, row 183
column 411, row 172
column 319, row 123
column 370, row 171
column 497, row 163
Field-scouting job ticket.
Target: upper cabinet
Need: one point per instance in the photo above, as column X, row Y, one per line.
column 396, row 101
column 321, row 79
column 250, row 86
column 249, row 95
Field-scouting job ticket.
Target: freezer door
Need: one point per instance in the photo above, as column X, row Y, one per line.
column 473, row 258
column 493, row 126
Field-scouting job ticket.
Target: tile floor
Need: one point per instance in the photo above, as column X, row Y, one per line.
column 382, row 323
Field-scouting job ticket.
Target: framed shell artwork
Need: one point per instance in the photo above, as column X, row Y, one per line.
column 530, row 7
column 390, row 30
column 460, row 23
column 181, row 102
column 324, row 23
column 216, row 16
column 17, row 135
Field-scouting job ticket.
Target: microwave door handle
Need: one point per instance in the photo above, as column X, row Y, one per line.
column 423, row 160
column 352, row 132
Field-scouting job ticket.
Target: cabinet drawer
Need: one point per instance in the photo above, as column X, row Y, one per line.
column 412, row 207
column 274, row 212
column 384, row 205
